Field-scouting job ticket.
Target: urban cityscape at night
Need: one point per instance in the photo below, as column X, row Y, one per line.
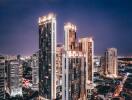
column 65, row 50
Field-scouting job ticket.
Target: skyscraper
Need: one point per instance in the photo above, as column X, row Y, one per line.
column 47, row 56
column 14, row 78
column 86, row 45
column 111, row 69
column 73, row 66
column 2, row 77
column 35, row 71
column 73, row 69
column 70, row 36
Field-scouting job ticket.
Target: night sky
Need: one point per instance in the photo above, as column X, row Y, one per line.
column 109, row 22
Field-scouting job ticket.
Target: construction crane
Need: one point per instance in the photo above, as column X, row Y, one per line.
column 120, row 86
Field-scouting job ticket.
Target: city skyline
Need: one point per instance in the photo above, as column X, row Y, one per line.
column 109, row 22
column 67, row 71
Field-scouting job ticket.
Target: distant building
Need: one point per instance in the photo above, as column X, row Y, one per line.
column 27, row 70
column 47, row 56
column 102, row 65
column 35, row 71
column 97, row 67
column 14, row 78
column 2, row 77
column 73, row 75
column 10, row 57
column 111, row 68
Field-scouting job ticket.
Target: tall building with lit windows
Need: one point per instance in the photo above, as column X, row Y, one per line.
column 73, row 66
column 70, row 36
column 73, row 75
column 111, row 69
column 87, row 45
column 14, row 77
column 35, row 71
column 59, row 52
column 2, row 77
column 47, row 56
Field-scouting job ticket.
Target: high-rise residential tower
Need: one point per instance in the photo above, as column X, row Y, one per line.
column 14, row 77
column 111, row 69
column 35, row 71
column 70, row 36
column 47, row 56
column 73, row 66
column 73, row 69
column 86, row 45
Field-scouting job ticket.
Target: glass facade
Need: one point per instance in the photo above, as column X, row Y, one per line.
column 73, row 76
column 45, row 60
column 47, row 50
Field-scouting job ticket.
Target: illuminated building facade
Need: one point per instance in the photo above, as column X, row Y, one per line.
column 70, row 36
column 111, row 62
column 86, row 45
column 59, row 51
column 102, row 64
column 2, row 77
column 73, row 75
column 35, row 71
column 10, row 57
column 73, row 66
column 14, row 76
column 47, row 56
column 97, row 67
